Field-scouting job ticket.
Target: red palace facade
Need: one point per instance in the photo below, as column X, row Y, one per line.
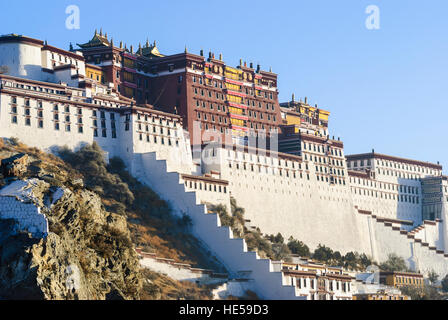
column 226, row 102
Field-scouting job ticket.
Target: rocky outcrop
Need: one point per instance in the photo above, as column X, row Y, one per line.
column 87, row 253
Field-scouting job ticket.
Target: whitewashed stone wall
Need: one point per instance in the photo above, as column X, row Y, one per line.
column 179, row 273
column 386, row 241
column 218, row 240
column 309, row 210
column 16, row 202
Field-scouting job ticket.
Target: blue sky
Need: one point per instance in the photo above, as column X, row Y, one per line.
column 387, row 89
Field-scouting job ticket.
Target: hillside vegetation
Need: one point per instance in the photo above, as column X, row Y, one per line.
column 88, row 253
column 153, row 227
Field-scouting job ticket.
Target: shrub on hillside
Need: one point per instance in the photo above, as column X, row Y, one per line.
column 90, row 162
column 299, row 248
column 394, row 263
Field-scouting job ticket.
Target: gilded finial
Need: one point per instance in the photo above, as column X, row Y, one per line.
column 147, row 42
column 101, row 32
column 121, row 44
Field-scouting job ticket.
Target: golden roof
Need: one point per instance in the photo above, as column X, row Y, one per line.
column 151, row 51
column 98, row 40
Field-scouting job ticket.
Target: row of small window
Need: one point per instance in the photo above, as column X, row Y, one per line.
column 302, row 282
column 396, row 165
column 269, row 117
column 237, row 166
column 322, row 169
column 67, row 127
column 156, row 139
column 103, row 123
column 261, row 126
column 220, row 85
column 387, row 196
column 407, row 280
column 64, row 58
column 204, row 116
column 154, row 130
column 398, row 174
column 204, row 104
column 390, row 164
column 104, row 133
column 251, row 157
column 27, row 103
column 386, row 186
column 333, row 162
column 205, row 186
column 146, row 117
column 40, row 123
column 332, row 180
column 218, row 95
column 35, row 88
column 321, row 149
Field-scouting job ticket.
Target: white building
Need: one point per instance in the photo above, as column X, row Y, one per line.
column 317, row 196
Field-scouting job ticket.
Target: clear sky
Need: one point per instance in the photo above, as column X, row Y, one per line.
column 386, row 88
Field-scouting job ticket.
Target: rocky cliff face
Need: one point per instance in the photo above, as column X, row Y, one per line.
column 86, row 253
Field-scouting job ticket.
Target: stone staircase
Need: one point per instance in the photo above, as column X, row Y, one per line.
column 218, row 240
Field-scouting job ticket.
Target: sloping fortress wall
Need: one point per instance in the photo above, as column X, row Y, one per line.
column 16, row 203
column 368, row 203
column 280, row 193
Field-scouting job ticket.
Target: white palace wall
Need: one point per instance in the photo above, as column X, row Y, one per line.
column 279, row 194
column 23, row 59
column 307, row 209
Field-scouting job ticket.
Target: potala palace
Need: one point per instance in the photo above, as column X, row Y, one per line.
column 192, row 129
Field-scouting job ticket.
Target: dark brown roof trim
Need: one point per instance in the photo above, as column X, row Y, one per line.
column 205, row 179
column 63, row 52
column 363, row 156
